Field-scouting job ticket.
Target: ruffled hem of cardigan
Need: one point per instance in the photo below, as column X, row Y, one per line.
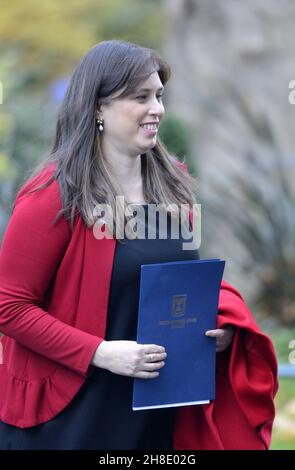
column 40, row 411
column 249, row 377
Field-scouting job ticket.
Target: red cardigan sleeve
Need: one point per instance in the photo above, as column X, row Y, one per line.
column 31, row 251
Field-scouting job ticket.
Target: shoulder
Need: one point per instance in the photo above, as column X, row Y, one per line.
column 178, row 163
column 38, row 208
column 32, row 196
column 35, row 222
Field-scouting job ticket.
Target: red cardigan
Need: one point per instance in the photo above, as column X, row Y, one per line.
column 54, row 288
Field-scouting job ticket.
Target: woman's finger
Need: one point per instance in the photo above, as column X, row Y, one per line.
column 146, row 375
column 219, row 333
column 153, row 349
column 154, row 366
column 154, row 357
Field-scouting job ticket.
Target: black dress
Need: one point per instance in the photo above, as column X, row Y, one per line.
column 100, row 416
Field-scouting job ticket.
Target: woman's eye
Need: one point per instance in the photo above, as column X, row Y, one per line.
column 143, row 97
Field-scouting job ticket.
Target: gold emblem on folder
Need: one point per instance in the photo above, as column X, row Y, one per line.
column 178, row 305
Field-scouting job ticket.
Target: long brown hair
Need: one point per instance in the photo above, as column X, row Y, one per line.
column 80, row 166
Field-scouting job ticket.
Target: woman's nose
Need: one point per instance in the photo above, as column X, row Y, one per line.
column 157, row 107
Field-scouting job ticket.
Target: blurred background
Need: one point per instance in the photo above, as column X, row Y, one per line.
column 230, row 113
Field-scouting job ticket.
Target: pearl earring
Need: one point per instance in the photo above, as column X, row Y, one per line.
column 100, row 124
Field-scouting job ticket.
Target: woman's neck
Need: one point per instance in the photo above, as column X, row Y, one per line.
column 127, row 171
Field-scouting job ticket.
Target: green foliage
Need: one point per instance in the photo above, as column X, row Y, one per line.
column 49, row 37
column 176, row 136
column 6, row 168
column 280, row 442
column 40, row 41
column 281, row 338
column 285, row 393
column 284, row 427
column 6, row 122
column 284, row 438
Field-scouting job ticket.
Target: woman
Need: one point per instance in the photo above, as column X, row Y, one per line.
column 68, row 300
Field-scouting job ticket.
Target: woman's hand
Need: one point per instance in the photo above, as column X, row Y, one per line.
column 130, row 358
column 224, row 337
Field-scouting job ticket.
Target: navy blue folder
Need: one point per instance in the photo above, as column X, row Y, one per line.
column 178, row 303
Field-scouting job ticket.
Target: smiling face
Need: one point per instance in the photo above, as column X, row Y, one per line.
column 131, row 123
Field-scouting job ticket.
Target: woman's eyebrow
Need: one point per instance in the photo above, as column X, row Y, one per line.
column 149, row 89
